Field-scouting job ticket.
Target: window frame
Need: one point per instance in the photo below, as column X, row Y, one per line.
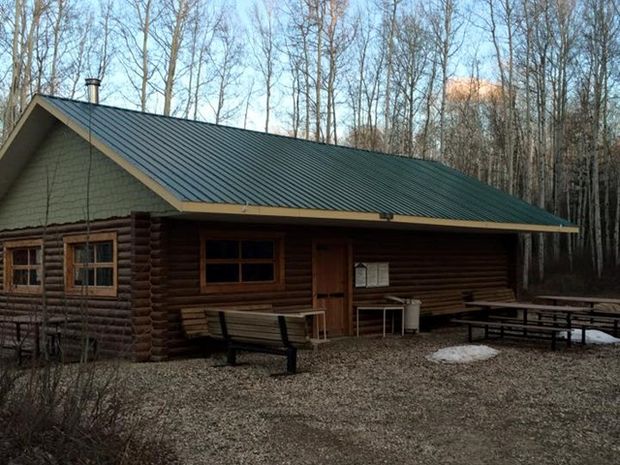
column 243, row 286
column 70, row 242
column 8, row 266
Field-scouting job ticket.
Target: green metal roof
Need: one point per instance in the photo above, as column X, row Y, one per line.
column 202, row 162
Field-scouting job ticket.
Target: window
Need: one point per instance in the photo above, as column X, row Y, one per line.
column 249, row 263
column 23, row 266
column 90, row 264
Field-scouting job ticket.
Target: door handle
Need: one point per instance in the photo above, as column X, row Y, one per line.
column 322, row 296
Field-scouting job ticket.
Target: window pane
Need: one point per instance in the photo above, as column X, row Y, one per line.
column 20, row 277
column 35, row 256
column 223, row 273
column 222, row 249
column 257, row 249
column 104, row 252
column 83, row 254
column 105, row 277
column 84, row 277
column 34, row 278
column 20, row 256
column 257, row 272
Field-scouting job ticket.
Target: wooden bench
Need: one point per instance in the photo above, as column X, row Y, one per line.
column 271, row 333
column 194, row 323
column 516, row 329
column 194, row 320
column 592, row 320
column 441, row 303
column 576, row 323
column 498, row 294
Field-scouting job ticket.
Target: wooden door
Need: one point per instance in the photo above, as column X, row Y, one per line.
column 331, row 284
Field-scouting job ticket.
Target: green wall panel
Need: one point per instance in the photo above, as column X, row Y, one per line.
column 62, row 163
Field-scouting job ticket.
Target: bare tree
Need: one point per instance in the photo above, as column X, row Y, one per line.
column 135, row 30
column 175, row 18
column 227, row 59
column 265, row 48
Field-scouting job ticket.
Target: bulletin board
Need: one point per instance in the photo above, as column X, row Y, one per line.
column 372, row 274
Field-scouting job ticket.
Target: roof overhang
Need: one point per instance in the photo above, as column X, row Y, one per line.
column 368, row 218
column 41, row 115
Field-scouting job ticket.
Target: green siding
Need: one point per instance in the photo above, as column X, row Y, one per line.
column 63, row 158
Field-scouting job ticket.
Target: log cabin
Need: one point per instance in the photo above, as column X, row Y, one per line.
column 125, row 218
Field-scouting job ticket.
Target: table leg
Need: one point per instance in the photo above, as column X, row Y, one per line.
column 358, row 321
column 402, row 321
column 384, row 322
column 37, row 342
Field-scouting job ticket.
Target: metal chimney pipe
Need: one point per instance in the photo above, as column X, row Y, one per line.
column 92, row 84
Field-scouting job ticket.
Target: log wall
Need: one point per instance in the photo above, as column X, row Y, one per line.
column 109, row 319
column 419, row 262
column 159, row 273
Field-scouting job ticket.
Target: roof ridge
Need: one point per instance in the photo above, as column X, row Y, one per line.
column 283, row 136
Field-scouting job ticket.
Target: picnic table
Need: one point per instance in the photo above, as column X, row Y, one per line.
column 37, row 321
column 591, row 301
column 525, row 307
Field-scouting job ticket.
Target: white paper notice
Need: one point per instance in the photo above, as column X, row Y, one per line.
column 372, row 275
column 383, row 274
column 360, row 275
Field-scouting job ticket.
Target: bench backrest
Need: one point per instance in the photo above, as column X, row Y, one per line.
column 498, row 294
column 440, row 302
column 194, row 322
column 258, row 327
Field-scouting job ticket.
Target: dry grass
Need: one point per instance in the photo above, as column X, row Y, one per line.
column 379, row 401
column 82, row 413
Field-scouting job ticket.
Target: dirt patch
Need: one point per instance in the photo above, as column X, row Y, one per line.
column 379, row 401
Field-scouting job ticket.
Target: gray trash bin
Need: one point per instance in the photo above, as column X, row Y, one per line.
column 412, row 316
column 412, row 313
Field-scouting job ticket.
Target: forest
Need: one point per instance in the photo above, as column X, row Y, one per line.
column 522, row 94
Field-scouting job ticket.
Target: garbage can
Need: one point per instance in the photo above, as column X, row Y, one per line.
column 412, row 315
column 412, row 312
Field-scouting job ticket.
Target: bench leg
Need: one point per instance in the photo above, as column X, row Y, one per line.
column 469, row 333
column 486, row 332
column 583, row 335
column 291, row 360
column 553, row 337
column 231, row 356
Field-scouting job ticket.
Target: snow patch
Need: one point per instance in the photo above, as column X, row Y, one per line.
column 463, row 354
column 593, row 336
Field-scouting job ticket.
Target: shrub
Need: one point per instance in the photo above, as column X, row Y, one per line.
column 82, row 413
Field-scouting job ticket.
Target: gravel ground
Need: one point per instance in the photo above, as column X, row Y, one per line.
column 380, row 401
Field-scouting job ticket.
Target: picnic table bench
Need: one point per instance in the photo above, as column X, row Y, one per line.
column 562, row 318
column 271, row 333
column 582, row 324
column 513, row 328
